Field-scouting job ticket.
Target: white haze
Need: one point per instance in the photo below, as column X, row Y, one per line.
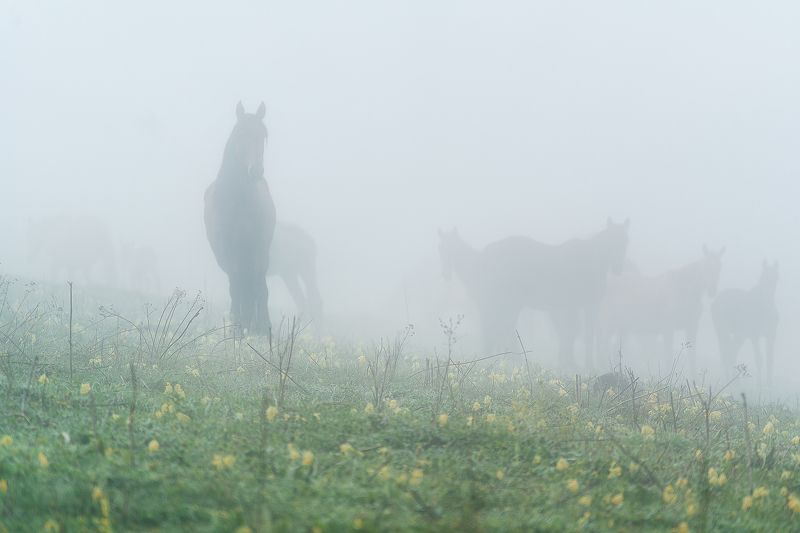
column 388, row 120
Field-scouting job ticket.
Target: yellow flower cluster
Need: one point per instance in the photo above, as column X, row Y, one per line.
column 6, row 440
column 614, row 470
column 573, row 485
column 223, row 461
column 43, row 461
column 153, row 446
column 442, row 419
column 648, row 433
column 85, row 389
column 271, row 413
column 668, row 495
column 562, row 464
column 716, row 479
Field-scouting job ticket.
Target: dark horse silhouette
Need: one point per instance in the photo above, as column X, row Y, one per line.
column 516, row 273
column 293, row 258
column 741, row 315
column 652, row 306
column 240, row 220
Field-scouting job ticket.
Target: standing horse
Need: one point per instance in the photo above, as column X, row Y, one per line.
column 659, row 305
column 741, row 315
column 240, row 220
column 516, row 273
column 293, row 258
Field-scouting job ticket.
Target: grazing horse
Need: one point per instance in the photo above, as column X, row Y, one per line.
column 240, row 220
column 659, row 305
column 293, row 258
column 741, row 315
column 564, row 280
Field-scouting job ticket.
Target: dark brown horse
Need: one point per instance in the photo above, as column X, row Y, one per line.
column 240, row 220
column 741, row 315
column 566, row 280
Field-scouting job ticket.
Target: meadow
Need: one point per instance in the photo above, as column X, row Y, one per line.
column 154, row 420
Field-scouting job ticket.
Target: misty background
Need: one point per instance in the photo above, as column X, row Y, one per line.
column 388, row 121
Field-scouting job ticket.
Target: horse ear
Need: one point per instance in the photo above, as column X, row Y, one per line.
column 262, row 110
column 239, row 110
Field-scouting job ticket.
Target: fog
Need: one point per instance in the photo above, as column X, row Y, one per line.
column 389, row 121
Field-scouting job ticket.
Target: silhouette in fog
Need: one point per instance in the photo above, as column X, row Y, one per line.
column 141, row 263
column 653, row 306
column 293, row 257
column 565, row 280
column 240, row 220
column 70, row 248
column 741, row 315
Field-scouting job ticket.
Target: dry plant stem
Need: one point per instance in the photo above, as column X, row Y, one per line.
column 28, row 386
column 131, row 438
column 527, row 365
column 749, row 445
column 70, row 330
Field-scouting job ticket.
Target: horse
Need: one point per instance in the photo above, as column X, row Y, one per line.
column 293, row 258
column 515, row 273
column 239, row 219
column 741, row 315
column 660, row 305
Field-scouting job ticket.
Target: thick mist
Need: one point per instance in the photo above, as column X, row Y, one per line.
column 388, row 122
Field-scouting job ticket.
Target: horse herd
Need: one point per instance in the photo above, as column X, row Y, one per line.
column 582, row 284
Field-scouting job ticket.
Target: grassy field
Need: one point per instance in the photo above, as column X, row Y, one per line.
column 159, row 424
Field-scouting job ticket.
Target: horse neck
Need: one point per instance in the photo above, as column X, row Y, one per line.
column 233, row 165
column 598, row 257
column 466, row 262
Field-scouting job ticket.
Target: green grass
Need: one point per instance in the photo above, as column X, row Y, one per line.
column 490, row 466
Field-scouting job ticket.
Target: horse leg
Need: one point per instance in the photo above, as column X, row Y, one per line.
column 296, row 292
column 261, row 320
column 590, row 323
column 770, row 350
column 235, row 289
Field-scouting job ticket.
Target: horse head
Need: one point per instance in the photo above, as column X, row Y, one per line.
column 769, row 276
column 615, row 241
column 450, row 243
column 247, row 140
column 711, row 265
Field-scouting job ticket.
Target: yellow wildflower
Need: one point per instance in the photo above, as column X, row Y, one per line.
column 153, row 446
column 760, row 492
column 573, row 485
column 97, row 493
column 691, row 509
column 487, row 400
column 3, row 486
column 614, row 470
column 729, row 455
column 416, row 476
column 294, row 455
column 442, row 419
column 358, row 523
column 476, row 406
column 43, row 379
column 491, row 417
column 683, row 527
column 272, row 412
column 633, row 467
column 584, row 519
column 648, row 433
column 562, row 464
column 51, row 526
column 585, row 501
column 308, row 458
column 182, row 417
column 786, row 474
column 6, row 440
column 668, row 495
column 85, row 389
column 769, row 428
column 618, row 499
column 216, row 461
column 796, row 440
column 168, row 388
column 369, row 409
column 43, row 462
column 384, row 472
column 793, row 502
column 682, row 482
column 537, row 459
column 747, row 503
column 346, row 448
column 229, row 460
column 179, row 391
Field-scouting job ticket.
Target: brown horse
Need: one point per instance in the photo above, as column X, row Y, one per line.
column 564, row 280
column 240, row 220
column 741, row 315
column 652, row 306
